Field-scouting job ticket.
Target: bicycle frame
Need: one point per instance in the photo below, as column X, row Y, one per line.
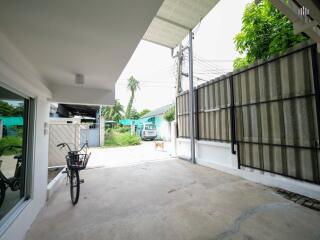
column 76, row 161
column 11, row 181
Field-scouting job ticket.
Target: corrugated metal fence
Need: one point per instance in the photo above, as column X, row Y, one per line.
column 270, row 110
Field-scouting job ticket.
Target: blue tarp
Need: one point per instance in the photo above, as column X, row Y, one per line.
column 136, row 122
column 12, row 121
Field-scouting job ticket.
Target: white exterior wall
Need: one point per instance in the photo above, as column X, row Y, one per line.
column 101, row 130
column 165, row 130
column 218, row 156
column 208, row 152
column 17, row 75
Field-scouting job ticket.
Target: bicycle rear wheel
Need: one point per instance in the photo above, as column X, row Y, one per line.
column 74, row 186
column 2, row 192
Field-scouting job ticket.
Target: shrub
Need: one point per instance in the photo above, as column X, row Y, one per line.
column 128, row 139
column 116, row 139
column 169, row 115
column 122, row 129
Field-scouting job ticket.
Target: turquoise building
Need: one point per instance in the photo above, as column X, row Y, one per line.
column 155, row 117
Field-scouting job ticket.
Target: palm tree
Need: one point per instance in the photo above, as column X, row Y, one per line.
column 133, row 86
column 113, row 113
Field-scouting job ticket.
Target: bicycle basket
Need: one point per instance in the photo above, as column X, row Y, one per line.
column 77, row 161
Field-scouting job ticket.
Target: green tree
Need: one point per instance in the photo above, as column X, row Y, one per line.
column 134, row 114
column 265, row 31
column 9, row 110
column 144, row 112
column 113, row 113
column 133, row 86
column 169, row 115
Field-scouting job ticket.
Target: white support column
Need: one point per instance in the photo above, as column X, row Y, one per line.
column 102, row 130
column 173, row 137
column 133, row 128
column 191, row 99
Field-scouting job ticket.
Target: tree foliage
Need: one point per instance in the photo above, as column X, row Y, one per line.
column 265, row 31
column 113, row 113
column 134, row 114
column 9, row 110
column 169, row 115
column 144, row 112
column 133, row 86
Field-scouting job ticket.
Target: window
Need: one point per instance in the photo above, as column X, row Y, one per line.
column 13, row 149
column 150, row 127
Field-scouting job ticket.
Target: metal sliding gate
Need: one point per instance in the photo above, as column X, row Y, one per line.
column 270, row 110
column 277, row 115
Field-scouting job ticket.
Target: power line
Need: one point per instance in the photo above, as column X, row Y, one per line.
column 208, row 67
column 167, row 70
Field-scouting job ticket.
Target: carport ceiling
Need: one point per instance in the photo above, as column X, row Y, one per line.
column 78, row 110
column 61, row 38
column 175, row 19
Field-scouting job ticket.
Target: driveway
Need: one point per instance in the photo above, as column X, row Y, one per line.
column 124, row 156
column 172, row 199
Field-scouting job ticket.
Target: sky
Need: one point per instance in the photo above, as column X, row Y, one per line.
column 213, row 50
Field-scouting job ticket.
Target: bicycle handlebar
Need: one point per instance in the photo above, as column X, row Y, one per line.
column 84, row 145
column 62, row 145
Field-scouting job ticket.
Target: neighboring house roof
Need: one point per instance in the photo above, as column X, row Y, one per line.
column 158, row 111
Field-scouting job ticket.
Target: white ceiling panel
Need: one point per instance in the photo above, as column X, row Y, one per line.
column 62, row 38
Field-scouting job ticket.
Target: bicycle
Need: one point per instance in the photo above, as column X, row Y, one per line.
column 14, row 181
column 76, row 160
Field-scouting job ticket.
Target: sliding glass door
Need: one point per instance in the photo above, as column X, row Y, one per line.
column 14, row 121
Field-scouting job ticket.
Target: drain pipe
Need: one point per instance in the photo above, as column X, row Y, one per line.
column 191, row 100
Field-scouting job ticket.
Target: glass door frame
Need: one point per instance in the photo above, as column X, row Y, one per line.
column 26, row 191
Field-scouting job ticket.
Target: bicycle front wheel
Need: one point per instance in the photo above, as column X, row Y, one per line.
column 74, row 186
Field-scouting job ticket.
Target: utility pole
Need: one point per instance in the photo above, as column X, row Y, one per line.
column 191, row 90
column 179, row 71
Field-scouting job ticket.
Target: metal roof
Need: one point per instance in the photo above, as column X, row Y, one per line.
column 158, row 111
column 175, row 19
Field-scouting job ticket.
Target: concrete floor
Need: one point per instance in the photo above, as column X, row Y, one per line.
column 124, row 156
column 172, row 200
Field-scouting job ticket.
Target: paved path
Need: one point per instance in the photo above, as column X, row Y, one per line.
column 124, row 156
column 172, row 200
